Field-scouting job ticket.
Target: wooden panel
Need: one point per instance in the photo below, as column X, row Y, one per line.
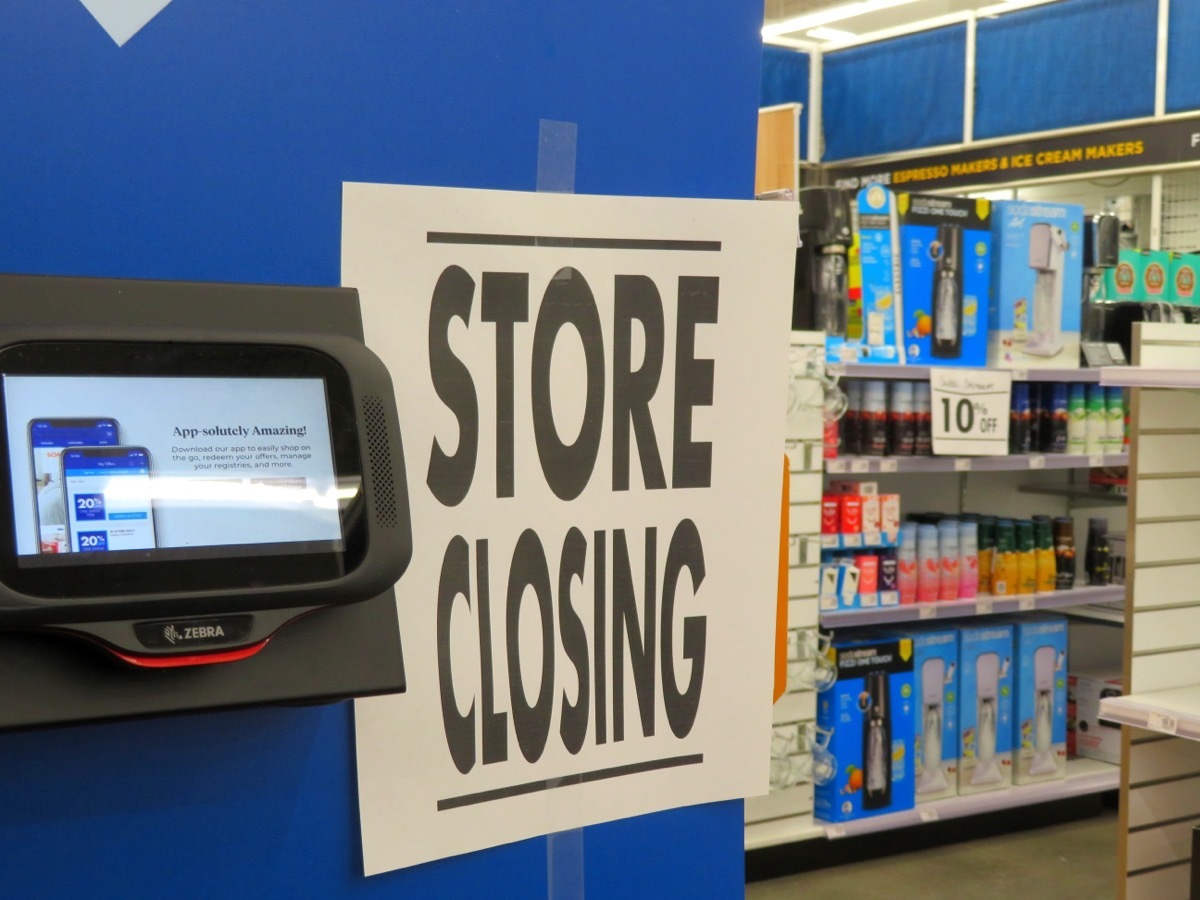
column 803, row 613
column 1169, row 409
column 1163, row 671
column 1158, row 332
column 791, row 801
column 1159, row 884
column 1164, row 802
column 805, row 489
column 1172, row 758
column 1170, row 356
column 802, row 582
column 1167, row 542
column 1166, row 628
column 797, row 707
column 1166, row 585
column 776, row 161
column 1168, row 454
column 1160, row 846
column 1160, row 498
column 805, row 518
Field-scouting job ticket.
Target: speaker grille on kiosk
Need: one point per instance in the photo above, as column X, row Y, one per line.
column 380, row 458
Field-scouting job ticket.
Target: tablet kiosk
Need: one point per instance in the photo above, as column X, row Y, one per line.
column 178, row 497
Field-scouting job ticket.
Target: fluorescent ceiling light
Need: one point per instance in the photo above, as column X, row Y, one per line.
column 821, row 33
column 824, row 17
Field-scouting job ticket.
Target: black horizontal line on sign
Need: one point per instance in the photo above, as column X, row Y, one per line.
column 533, row 787
column 575, row 243
column 969, row 393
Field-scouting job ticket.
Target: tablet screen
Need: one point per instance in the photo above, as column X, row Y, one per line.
column 169, row 463
column 142, row 467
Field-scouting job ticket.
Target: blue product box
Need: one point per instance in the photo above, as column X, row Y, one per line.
column 985, row 713
column 1037, row 283
column 879, row 259
column 1040, row 722
column 870, row 712
column 946, row 258
column 935, row 712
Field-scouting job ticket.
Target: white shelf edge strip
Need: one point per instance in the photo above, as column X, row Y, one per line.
column 1175, row 712
column 1135, row 376
column 1089, row 777
column 921, row 373
column 955, row 609
column 861, row 465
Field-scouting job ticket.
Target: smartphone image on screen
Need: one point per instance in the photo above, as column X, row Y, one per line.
column 108, row 496
column 48, row 438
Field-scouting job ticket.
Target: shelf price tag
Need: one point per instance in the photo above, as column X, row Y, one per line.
column 1159, row 722
column 984, row 607
column 887, row 465
column 926, row 611
column 970, row 411
column 928, row 815
column 1025, row 604
column 860, row 465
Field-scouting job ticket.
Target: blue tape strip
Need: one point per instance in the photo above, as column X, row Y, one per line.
column 564, row 865
column 556, row 156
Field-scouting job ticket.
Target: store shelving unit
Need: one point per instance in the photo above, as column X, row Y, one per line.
column 785, row 815
column 1160, row 759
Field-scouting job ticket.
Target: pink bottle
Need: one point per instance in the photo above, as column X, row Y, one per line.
column 968, row 560
column 906, row 563
column 947, row 532
column 929, row 574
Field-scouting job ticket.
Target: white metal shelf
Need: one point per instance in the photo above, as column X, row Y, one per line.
column 985, row 604
column 781, row 831
column 856, row 465
column 1084, row 776
column 1175, row 712
column 1136, row 376
column 1079, row 496
column 921, row 373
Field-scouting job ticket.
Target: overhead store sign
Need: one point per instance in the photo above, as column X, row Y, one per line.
column 592, row 393
column 1113, row 149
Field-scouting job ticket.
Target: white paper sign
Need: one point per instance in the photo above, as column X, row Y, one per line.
column 592, row 396
column 971, row 410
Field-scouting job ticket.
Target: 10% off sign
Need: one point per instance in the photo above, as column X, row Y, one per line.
column 970, row 411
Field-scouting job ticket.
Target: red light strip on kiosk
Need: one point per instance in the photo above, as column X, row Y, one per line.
column 194, row 659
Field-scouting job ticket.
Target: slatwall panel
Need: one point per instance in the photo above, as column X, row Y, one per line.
column 1161, row 775
column 788, row 807
column 1181, row 211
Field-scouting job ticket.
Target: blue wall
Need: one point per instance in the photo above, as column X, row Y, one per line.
column 785, row 79
column 213, row 146
column 894, row 95
column 1066, row 64
column 1183, row 63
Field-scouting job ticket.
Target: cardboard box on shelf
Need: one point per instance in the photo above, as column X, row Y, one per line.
column 1037, row 278
column 870, row 712
column 946, row 258
column 1087, row 735
column 985, row 713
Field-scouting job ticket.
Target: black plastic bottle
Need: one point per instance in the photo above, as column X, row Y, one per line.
column 877, row 744
column 947, row 301
column 1097, row 561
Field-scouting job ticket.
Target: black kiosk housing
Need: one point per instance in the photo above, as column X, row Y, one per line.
column 183, row 560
